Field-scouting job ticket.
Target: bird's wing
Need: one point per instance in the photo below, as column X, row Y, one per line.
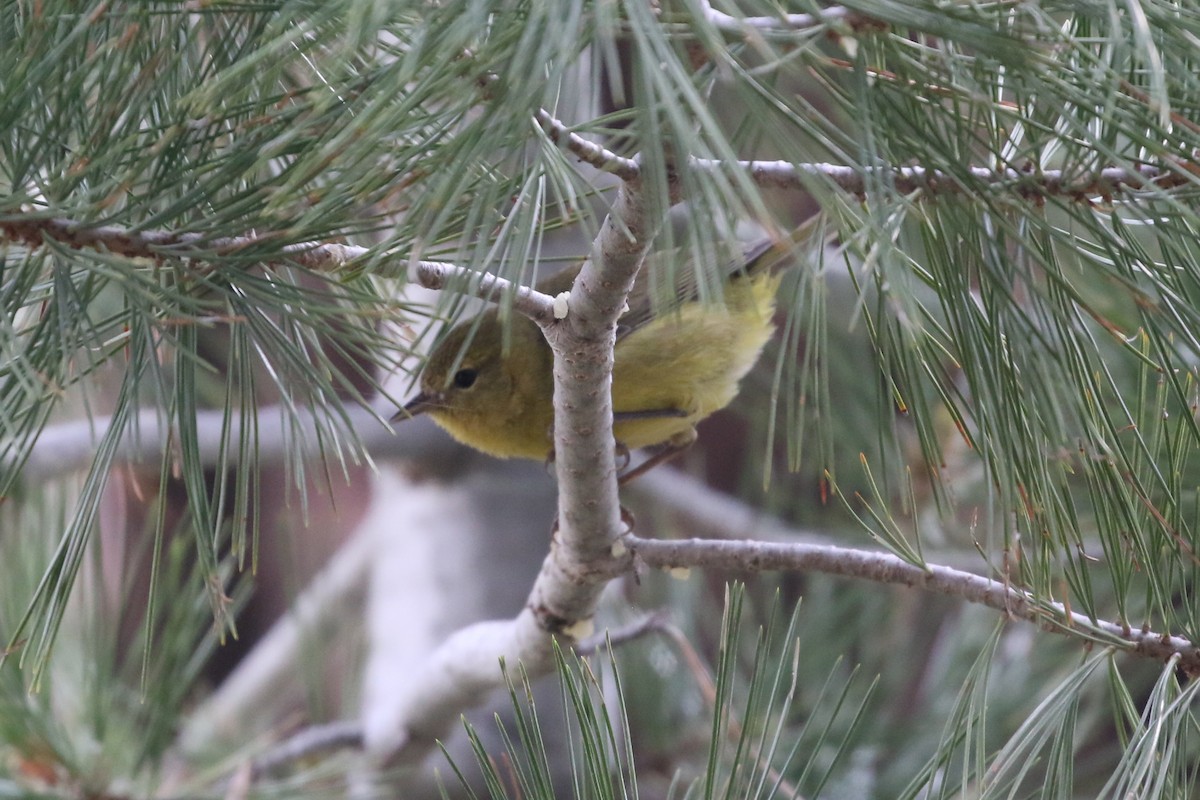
column 650, row 296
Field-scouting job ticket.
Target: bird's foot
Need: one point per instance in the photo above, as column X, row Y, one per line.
column 668, row 451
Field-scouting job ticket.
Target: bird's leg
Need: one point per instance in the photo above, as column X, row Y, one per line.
column 676, row 445
column 672, row 448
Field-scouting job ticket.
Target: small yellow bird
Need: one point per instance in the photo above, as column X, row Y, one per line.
column 673, row 366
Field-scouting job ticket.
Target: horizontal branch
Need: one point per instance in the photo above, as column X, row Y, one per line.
column 279, row 433
column 1078, row 185
column 753, row 556
column 711, row 514
column 530, row 302
column 161, row 245
column 328, row 257
column 859, row 180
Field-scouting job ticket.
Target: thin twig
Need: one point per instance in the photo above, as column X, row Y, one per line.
column 588, row 152
column 656, row 622
column 1149, row 102
column 530, row 302
column 782, row 23
column 317, row 740
column 755, row 556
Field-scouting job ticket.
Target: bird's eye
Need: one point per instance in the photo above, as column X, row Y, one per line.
column 465, row 378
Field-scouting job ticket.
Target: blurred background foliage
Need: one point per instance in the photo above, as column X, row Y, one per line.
column 993, row 371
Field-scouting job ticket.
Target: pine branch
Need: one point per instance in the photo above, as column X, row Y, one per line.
column 329, row 257
column 712, row 514
column 656, row 622
column 1081, row 186
column 563, row 598
column 530, row 302
column 752, row 556
column 591, row 531
column 161, row 245
column 1078, row 186
column 588, row 152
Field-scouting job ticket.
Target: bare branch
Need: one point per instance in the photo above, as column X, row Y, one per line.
column 755, row 556
column 530, row 302
column 589, row 514
column 656, row 622
column 711, row 514
column 279, row 433
column 588, row 152
column 905, row 180
column 163, row 245
column 460, row 674
column 330, row 257
column 783, row 23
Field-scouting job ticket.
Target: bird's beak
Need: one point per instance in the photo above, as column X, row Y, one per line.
column 418, row 405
